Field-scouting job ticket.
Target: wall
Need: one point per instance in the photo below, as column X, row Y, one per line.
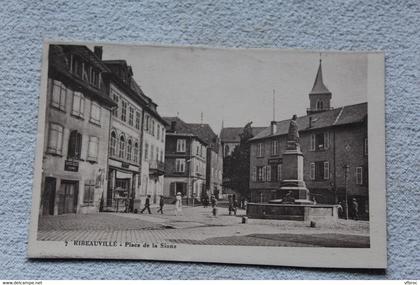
column 391, row 26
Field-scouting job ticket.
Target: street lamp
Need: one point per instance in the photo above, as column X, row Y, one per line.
column 189, row 179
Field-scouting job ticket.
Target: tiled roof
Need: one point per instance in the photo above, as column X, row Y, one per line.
column 341, row 116
column 232, row 134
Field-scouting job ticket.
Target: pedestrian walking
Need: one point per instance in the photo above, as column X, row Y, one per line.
column 235, row 205
column 161, row 204
column 178, row 204
column 230, row 205
column 147, row 205
column 355, row 209
column 213, row 201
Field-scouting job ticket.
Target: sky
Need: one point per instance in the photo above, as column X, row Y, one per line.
column 236, row 85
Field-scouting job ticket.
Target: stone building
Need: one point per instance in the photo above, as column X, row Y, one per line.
column 214, row 161
column 137, row 142
column 125, row 138
column 334, row 144
column 185, row 161
column 78, row 112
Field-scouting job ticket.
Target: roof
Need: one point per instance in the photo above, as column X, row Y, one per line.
column 319, row 86
column 232, row 134
column 345, row 115
column 202, row 131
column 59, row 66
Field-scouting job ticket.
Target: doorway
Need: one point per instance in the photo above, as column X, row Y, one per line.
column 68, row 197
column 48, row 199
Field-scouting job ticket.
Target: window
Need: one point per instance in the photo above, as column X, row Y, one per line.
column 121, row 153
column 365, row 149
column 198, row 150
column 312, row 171
column 93, row 149
column 274, row 147
column 136, row 152
column 75, row 145
column 116, row 100
column 158, row 131
column 359, row 175
column 319, row 105
column 123, row 110
column 129, row 149
column 279, row 172
column 163, row 134
column 153, row 127
column 320, row 141
column 260, row 150
column 94, row 77
column 161, row 155
column 180, row 165
column 180, row 145
column 113, row 147
column 76, row 66
column 131, row 116
column 89, row 192
column 259, row 173
column 264, row 173
column 326, row 170
column 152, row 151
column 201, row 150
column 58, row 96
column 95, row 113
column 268, row 174
column 55, row 139
column 146, row 125
column 137, row 125
column 226, row 150
column 146, row 151
column 78, row 104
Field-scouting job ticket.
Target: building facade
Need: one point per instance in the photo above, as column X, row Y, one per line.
column 185, row 161
column 78, row 112
column 334, row 145
column 125, row 139
column 230, row 139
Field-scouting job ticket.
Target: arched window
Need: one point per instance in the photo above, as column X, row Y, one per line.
column 129, row 149
column 226, row 150
column 122, row 147
column 319, row 105
column 113, row 149
column 75, row 145
column 136, row 152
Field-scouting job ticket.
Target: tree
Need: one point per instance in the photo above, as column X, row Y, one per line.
column 237, row 165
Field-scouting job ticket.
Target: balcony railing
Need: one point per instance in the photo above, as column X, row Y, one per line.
column 156, row 167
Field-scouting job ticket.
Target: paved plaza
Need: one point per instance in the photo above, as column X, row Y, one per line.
column 197, row 225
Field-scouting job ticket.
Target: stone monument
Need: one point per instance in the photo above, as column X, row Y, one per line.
column 293, row 189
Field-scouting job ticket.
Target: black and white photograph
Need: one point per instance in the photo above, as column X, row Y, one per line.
column 248, row 156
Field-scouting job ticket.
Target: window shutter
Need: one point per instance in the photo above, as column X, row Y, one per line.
column 326, row 170
column 279, row 172
column 326, row 140
column 264, row 173
column 312, row 171
column 268, row 173
column 312, row 142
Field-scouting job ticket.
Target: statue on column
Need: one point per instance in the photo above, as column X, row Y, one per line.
column 293, row 134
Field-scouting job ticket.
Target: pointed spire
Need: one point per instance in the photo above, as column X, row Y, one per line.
column 319, row 86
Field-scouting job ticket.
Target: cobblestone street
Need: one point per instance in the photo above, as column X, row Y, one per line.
column 198, row 226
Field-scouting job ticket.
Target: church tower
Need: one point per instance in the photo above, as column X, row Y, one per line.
column 320, row 96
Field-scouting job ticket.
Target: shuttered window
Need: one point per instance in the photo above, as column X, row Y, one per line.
column 58, row 96
column 95, row 113
column 93, row 149
column 78, row 105
column 55, row 139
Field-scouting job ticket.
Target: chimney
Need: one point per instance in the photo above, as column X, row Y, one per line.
column 97, row 50
column 273, row 127
column 173, row 125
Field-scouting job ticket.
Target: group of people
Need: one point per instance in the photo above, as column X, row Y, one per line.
column 353, row 209
column 178, row 204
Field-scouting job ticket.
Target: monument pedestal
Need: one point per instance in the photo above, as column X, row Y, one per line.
column 293, row 188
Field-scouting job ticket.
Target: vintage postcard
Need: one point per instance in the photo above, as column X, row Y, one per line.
column 246, row 156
